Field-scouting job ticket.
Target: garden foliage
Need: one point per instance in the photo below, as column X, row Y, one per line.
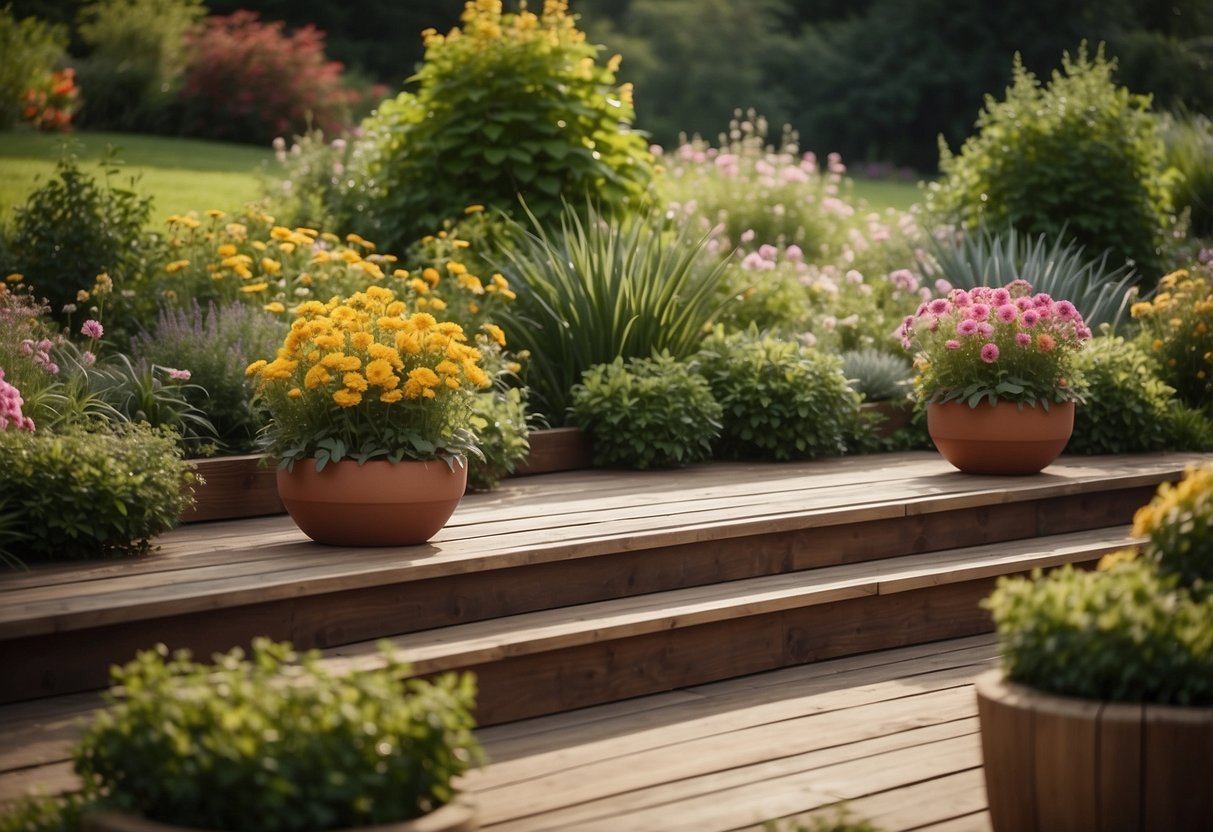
column 32, row 50
column 647, row 413
column 508, row 104
column 287, row 744
column 1189, row 142
column 781, row 400
column 89, row 491
column 1178, row 322
column 1079, row 155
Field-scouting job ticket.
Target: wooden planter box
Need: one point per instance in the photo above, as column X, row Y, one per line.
column 246, row 486
column 1062, row 763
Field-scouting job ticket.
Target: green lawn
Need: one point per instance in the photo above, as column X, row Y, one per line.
column 189, row 175
column 179, row 174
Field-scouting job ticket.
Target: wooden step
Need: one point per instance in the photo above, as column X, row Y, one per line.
column 572, row 657
column 540, row 543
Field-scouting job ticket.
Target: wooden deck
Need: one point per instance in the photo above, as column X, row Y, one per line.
column 709, row 647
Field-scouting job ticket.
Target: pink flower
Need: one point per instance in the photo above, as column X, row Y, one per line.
column 1001, row 297
column 178, row 375
column 989, row 353
column 768, row 252
column 985, row 329
column 92, row 329
column 939, row 306
column 1023, row 339
column 794, row 253
column 1065, row 310
column 87, row 358
column 979, row 311
column 952, row 344
column 966, row 327
column 1030, row 317
column 1007, row 313
column 961, row 298
column 904, row 280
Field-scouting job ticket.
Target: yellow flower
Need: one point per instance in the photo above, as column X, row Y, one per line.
column 279, row 368
column 471, row 283
column 1137, row 310
column 216, row 214
column 280, row 233
column 354, row 381
column 473, row 209
column 255, row 287
column 452, row 382
column 419, row 286
column 14, row 277
column 447, row 367
column 255, row 367
column 361, row 340
column 316, row 377
column 391, row 396
column 270, row 265
column 495, row 332
column 403, row 274
column 382, row 352
column 347, row 398
column 1156, row 344
column 294, row 393
column 242, row 271
column 422, row 322
column 431, row 275
column 437, row 304
column 176, row 266
column 275, row 307
column 424, row 376
column 379, row 372
column 456, row 268
column 226, row 250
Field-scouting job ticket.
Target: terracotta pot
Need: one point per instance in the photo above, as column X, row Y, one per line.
column 378, row 503
column 1058, row 762
column 457, row 816
column 1002, row 438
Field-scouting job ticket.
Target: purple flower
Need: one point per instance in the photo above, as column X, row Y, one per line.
column 92, row 329
column 989, row 353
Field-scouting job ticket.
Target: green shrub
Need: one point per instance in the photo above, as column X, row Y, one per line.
column 839, row 819
column 91, row 492
column 598, row 289
column 1127, row 407
column 1125, row 634
column 1079, row 154
column 647, row 413
column 74, row 228
column 877, row 375
column 215, row 346
column 42, row 813
column 508, row 105
column 1059, row 269
column 31, row 48
column 136, row 57
column 1189, row 142
column 781, row 400
column 276, row 742
column 499, row 420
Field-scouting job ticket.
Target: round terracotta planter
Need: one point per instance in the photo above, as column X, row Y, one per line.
column 1057, row 762
column 1002, row 438
column 457, row 816
column 377, row 503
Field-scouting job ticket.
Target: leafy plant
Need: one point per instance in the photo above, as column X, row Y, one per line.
column 92, row 492
column 250, row 81
column 508, row 104
column 647, row 413
column 32, row 48
column 1004, row 344
column 135, row 61
column 499, row 420
column 1059, row 268
column 780, row 399
column 364, row 378
column 288, row 743
column 839, row 819
column 600, row 289
column 215, row 346
column 877, row 375
column 1079, row 154
column 43, row 813
column 1127, row 408
column 1189, row 142
column 74, row 228
column 1178, row 322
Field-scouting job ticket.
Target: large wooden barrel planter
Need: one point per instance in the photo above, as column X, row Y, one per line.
column 1060, row 763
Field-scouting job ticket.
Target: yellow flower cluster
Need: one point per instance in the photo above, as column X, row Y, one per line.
column 1193, row 495
column 370, row 346
column 1179, row 324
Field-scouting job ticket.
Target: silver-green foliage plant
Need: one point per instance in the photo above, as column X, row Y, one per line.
column 1079, row 153
column 507, row 104
column 501, row 424
column 1059, row 267
column 781, row 399
column 647, row 412
column 92, row 491
column 598, row 289
column 276, row 742
column 877, row 375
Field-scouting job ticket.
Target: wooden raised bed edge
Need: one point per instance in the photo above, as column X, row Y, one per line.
column 246, row 486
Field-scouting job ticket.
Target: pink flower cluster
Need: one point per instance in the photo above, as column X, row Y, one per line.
column 1032, row 320
column 10, row 407
column 40, row 352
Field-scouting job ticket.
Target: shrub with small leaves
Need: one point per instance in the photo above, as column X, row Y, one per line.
column 42, row 813
column 287, row 743
column 1178, row 322
column 1079, row 153
column 89, row 492
column 1125, row 634
column 507, row 104
column 647, row 412
column 1127, row 407
column 499, row 420
column 781, row 400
